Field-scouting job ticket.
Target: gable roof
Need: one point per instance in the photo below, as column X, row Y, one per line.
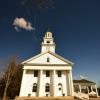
column 83, row 81
column 54, row 54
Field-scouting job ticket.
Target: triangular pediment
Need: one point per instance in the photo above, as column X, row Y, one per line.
column 47, row 58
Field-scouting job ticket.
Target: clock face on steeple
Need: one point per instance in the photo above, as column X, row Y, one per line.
column 48, row 43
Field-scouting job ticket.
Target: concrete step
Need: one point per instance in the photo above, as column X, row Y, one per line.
column 45, row 98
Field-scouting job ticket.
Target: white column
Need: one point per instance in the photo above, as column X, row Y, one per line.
column 71, row 83
column 22, row 86
column 40, row 84
column 64, row 87
column 54, row 83
column 91, row 88
column 87, row 89
column 79, row 88
column 51, row 83
column 68, row 83
column 96, row 90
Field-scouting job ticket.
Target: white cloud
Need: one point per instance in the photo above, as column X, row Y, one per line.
column 83, row 77
column 22, row 23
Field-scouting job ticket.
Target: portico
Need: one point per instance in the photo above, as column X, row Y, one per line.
column 85, row 86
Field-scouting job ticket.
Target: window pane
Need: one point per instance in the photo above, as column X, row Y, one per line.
column 48, row 59
column 59, row 73
column 34, row 87
column 35, row 73
column 47, row 73
column 59, row 84
column 47, row 87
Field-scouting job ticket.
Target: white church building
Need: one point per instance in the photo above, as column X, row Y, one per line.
column 47, row 74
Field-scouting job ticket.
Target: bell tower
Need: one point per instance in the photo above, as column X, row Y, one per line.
column 48, row 43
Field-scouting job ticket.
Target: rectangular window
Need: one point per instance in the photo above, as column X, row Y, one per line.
column 59, row 73
column 48, row 59
column 47, row 73
column 36, row 73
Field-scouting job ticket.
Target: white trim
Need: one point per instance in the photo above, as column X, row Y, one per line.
column 48, row 67
column 54, row 54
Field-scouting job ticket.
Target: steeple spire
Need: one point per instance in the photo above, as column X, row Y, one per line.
column 48, row 43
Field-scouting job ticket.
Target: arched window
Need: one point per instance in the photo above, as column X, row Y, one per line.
column 34, row 87
column 59, row 86
column 47, row 87
column 48, row 34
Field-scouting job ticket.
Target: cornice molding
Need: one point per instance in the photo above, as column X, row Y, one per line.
column 67, row 65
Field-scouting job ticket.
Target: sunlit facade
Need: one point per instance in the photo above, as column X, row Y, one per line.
column 47, row 74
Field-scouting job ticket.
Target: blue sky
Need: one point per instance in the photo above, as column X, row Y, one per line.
column 75, row 25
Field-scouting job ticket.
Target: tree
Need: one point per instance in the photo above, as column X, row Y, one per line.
column 8, row 77
column 14, row 86
column 11, row 80
column 98, row 88
column 2, row 86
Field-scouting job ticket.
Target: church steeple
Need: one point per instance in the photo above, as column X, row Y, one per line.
column 48, row 43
